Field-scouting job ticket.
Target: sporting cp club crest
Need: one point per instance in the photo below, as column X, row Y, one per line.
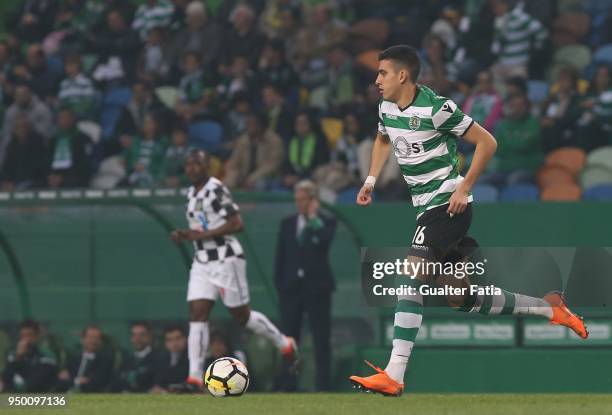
column 414, row 123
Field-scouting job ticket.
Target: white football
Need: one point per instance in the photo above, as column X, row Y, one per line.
column 226, row 377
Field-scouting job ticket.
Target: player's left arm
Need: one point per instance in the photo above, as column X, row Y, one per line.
column 485, row 148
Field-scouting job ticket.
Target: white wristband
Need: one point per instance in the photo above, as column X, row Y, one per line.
column 370, row 180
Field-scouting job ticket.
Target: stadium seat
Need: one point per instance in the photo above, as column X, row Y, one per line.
column 571, row 158
column 519, row 193
column 206, row 135
column 564, row 192
column 599, row 192
column 108, row 121
column 601, row 157
column 368, row 34
column 347, row 196
column 485, row 193
column 117, row 97
column 537, row 91
column 603, row 54
column 90, row 129
column 594, row 175
column 552, row 175
column 167, row 95
column 332, row 128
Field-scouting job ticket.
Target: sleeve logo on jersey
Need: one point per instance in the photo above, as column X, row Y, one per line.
column 447, row 107
column 414, row 123
column 405, row 149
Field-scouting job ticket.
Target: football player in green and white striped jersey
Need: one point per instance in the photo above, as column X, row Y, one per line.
column 422, row 128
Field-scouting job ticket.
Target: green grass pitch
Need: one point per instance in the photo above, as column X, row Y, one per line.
column 332, row 404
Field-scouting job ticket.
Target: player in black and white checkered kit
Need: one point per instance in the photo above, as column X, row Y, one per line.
column 219, row 266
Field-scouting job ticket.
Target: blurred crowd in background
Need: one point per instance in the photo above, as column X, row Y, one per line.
column 112, row 93
column 156, row 363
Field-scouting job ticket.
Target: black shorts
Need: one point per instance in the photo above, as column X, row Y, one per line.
column 437, row 233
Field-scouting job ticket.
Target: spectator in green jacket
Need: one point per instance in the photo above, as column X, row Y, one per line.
column 519, row 151
column 144, row 154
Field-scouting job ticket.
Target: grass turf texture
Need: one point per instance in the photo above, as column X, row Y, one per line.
column 333, row 404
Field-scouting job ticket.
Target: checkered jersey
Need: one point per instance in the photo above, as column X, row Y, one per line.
column 209, row 208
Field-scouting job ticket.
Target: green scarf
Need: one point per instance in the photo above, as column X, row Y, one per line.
column 302, row 151
column 62, row 155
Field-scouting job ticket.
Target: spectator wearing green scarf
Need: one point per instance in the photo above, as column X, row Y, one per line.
column 70, row 154
column 306, row 151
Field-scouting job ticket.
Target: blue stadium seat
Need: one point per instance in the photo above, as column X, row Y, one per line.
column 599, row 192
column 347, row 196
column 118, row 97
column 485, row 193
column 537, row 91
column 603, row 54
column 519, row 193
column 108, row 121
column 206, row 135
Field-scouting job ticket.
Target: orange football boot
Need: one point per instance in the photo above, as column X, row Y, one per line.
column 378, row 383
column 563, row 316
column 194, row 384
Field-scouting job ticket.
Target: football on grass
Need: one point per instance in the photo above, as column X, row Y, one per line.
column 226, row 377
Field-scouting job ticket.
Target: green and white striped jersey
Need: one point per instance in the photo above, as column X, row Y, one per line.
column 517, row 34
column 424, row 138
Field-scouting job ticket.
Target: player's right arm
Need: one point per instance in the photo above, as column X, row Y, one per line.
column 380, row 153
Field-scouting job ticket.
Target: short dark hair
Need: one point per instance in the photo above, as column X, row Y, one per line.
column 91, row 327
column 406, row 56
column 175, row 327
column 143, row 324
column 30, row 324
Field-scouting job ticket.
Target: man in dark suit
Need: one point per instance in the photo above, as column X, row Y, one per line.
column 138, row 370
column 90, row 370
column 173, row 363
column 304, row 279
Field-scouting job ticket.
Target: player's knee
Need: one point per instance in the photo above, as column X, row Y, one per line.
column 198, row 313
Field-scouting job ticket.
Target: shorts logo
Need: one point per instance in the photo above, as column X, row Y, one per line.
column 414, row 123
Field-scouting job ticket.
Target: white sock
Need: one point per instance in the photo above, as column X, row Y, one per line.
column 511, row 303
column 197, row 344
column 262, row 326
column 408, row 318
column 532, row 306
